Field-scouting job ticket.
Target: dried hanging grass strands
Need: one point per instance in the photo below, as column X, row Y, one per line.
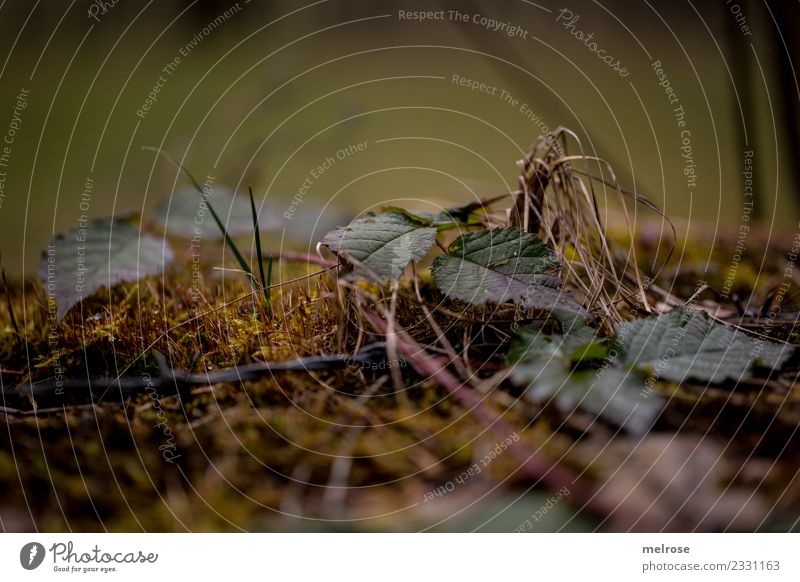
column 557, row 200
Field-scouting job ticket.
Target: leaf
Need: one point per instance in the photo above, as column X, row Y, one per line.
column 106, row 252
column 687, row 343
column 423, row 217
column 589, row 352
column 461, row 215
column 385, row 243
column 449, row 217
column 619, row 397
column 529, row 343
column 185, row 214
column 542, row 363
column 502, row 265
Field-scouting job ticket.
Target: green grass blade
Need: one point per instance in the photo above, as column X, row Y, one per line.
column 257, row 233
column 242, row 263
column 228, row 240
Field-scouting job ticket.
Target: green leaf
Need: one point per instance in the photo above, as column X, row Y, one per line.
column 542, row 363
column 530, row 341
column 422, row 217
column 618, row 396
column 687, row 343
column 465, row 215
column 106, row 252
column 529, row 344
column 385, row 243
column 589, row 352
column 502, row 265
column 186, row 214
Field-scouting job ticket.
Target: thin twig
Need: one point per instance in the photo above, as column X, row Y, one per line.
column 305, row 257
column 177, row 381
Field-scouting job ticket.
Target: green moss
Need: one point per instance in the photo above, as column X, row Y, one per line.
column 249, row 451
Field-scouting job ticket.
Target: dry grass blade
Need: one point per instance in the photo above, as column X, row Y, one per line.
column 558, row 201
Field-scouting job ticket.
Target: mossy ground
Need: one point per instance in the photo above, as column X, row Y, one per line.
column 342, row 449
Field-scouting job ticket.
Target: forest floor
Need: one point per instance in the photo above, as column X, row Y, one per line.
column 343, row 448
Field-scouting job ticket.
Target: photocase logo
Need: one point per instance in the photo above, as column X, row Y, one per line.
column 31, row 555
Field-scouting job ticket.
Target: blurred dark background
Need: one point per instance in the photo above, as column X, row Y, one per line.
column 265, row 92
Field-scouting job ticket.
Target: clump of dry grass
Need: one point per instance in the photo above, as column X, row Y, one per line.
column 558, row 199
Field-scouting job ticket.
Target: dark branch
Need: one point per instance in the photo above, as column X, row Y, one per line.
column 170, row 380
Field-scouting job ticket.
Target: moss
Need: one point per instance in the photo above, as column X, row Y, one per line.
column 245, row 452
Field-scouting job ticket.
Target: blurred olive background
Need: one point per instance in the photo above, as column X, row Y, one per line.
column 266, row 94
